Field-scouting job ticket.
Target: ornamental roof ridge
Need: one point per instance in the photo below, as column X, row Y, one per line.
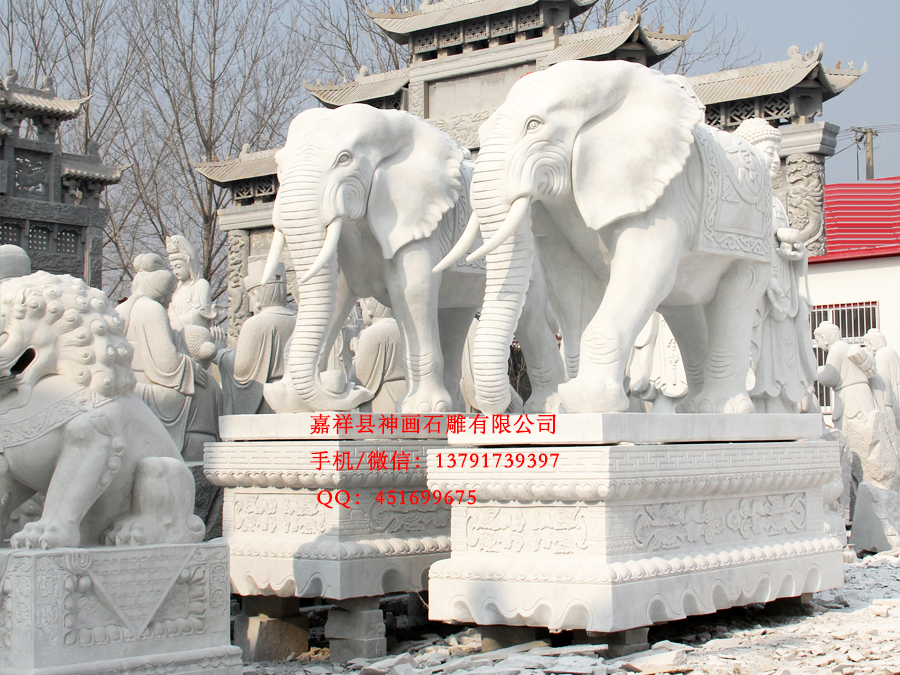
column 43, row 101
column 387, row 75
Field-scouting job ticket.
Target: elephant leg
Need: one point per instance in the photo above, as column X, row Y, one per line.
column 729, row 320
column 414, row 297
column 564, row 272
column 688, row 325
column 545, row 366
column 454, row 327
column 644, row 253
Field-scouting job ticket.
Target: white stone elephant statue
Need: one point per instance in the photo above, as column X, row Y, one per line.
column 369, row 201
column 632, row 205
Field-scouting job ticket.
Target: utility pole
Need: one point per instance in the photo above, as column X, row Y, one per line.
column 867, row 135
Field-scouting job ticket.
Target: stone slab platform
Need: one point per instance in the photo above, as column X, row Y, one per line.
column 289, row 535
column 105, row 611
column 624, row 536
column 611, row 428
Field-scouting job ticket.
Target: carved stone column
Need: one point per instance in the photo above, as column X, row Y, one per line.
column 238, row 302
column 804, row 149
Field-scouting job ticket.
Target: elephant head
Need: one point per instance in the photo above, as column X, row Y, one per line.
column 342, row 170
column 605, row 137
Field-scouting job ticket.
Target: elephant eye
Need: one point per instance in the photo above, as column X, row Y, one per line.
column 344, row 158
column 533, row 124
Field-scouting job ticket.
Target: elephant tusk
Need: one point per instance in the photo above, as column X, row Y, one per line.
column 275, row 251
column 518, row 213
column 329, row 246
column 469, row 235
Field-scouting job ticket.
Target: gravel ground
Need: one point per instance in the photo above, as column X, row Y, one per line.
column 853, row 630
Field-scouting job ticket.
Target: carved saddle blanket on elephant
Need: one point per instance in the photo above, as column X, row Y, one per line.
column 736, row 184
column 55, row 400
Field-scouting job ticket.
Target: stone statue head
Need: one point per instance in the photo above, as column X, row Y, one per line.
column 158, row 285
column 826, row 335
column 14, row 262
column 373, row 311
column 874, row 340
column 271, row 294
column 183, row 258
column 767, row 140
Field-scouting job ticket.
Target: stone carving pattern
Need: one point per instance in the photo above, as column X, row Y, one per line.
column 417, row 98
column 668, row 526
column 585, row 570
column 274, row 547
column 238, row 301
column 805, row 177
column 278, row 514
column 413, row 518
column 32, row 174
column 67, row 214
column 462, row 128
column 553, row 530
column 771, row 515
column 57, row 263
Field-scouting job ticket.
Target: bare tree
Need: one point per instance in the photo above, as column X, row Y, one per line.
column 346, row 39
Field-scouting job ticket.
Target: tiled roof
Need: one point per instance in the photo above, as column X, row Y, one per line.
column 399, row 26
column 249, row 165
column 606, row 40
column 862, row 220
column 772, row 78
column 82, row 167
column 33, row 101
column 365, row 88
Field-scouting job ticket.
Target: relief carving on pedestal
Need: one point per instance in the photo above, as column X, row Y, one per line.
column 668, row 526
column 805, row 178
column 771, row 515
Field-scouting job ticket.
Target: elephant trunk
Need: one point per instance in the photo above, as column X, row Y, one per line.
column 508, row 276
column 298, row 212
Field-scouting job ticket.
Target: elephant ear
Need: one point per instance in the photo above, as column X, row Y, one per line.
column 625, row 157
column 414, row 187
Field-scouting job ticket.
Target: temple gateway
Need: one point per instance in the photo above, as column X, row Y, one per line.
column 466, row 54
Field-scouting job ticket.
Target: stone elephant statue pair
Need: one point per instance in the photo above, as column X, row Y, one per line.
column 369, row 201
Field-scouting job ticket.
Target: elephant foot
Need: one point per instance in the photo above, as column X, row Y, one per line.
column 544, row 400
column 45, row 534
column 720, row 400
column 426, row 398
column 583, row 395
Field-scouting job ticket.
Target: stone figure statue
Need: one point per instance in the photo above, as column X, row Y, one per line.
column 655, row 370
column 258, row 356
column 887, row 363
column 14, row 262
column 782, row 359
column 625, row 166
column 73, row 428
column 177, row 388
column 379, row 362
column 846, row 371
column 192, row 301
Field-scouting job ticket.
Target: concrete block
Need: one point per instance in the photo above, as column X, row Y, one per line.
column 364, row 625
column 876, row 519
column 268, row 639
column 498, row 637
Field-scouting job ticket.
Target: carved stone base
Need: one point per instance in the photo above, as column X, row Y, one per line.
column 285, row 542
column 102, row 611
column 624, row 536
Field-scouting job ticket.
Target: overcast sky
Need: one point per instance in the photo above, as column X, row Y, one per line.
column 852, row 30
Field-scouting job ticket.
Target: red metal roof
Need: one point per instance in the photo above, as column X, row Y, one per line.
column 862, row 220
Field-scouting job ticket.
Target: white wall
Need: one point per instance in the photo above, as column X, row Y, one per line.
column 874, row 279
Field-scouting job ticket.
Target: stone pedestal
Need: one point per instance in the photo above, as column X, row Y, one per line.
column 616, row 537
column 290, row 536
column 105, row 611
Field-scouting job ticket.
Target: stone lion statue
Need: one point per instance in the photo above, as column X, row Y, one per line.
column 71, row 426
